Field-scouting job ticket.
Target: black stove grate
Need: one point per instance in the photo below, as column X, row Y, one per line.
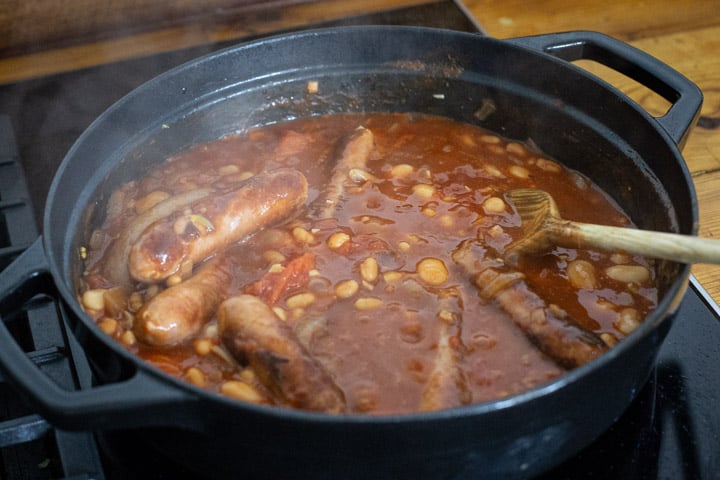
column 31, row 448
column 17, row 222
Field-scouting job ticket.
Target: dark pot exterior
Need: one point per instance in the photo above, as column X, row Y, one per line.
column 524, row 89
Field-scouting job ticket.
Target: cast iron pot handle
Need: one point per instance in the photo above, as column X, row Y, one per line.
column 141, row 400
column 685, row 97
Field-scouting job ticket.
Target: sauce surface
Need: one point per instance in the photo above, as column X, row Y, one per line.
column 389, row 280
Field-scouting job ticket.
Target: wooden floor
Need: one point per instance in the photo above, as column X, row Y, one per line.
column 685, row 35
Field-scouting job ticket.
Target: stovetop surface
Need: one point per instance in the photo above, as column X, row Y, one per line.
column 670, row 431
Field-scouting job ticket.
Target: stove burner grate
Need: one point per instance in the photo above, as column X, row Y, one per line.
column 31, row 448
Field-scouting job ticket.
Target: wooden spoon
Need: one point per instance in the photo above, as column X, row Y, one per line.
column 543, row 228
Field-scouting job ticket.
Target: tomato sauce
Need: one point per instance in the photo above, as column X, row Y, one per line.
column 373, row 292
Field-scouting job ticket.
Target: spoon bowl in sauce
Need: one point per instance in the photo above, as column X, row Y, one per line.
column 543, row 228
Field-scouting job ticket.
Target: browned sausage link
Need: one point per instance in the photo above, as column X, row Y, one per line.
column 447, row 386
column 355, row 155
column 179, row 312
column 254, row 335
column 261, row 201
column 545, row 325
column 116, row 259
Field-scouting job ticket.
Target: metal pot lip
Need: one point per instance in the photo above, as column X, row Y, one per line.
column 665, row 308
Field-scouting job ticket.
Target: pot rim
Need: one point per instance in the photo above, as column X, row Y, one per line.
column 58, row 264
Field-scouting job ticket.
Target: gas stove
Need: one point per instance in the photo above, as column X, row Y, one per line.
column 670, row 431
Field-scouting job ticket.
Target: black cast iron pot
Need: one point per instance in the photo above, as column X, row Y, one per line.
column 524, row 88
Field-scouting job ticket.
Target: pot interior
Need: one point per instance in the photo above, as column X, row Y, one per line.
column 517, row 93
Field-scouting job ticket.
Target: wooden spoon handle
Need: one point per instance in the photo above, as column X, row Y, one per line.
column 669, row 246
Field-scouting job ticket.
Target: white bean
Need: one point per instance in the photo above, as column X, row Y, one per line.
column 241, row 391
column 337, row 240
column 203, row 346
column 516, row 149
column 432, row 271
column 401, row 170
column 369, row 270
column 128, row 338
column 93, row 299
column 520, row 172
column 628, row 273
column 302, row 235
column 581, row 274
column 368, row 303
column 628, row 320
column 273, row 256
column 423, row 190
column 195, row 376
column 300, row 300
column 346, row 288
column 392, row 277
column 108, row 325
column 494, row 205
column 228, row 169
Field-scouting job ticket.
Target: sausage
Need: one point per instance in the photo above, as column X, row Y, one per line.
column 115, row 268
column 254, row 335
column 447, row 386
column 546, row 326
column 355, row 155
column 179, row 312
column 183, row 240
